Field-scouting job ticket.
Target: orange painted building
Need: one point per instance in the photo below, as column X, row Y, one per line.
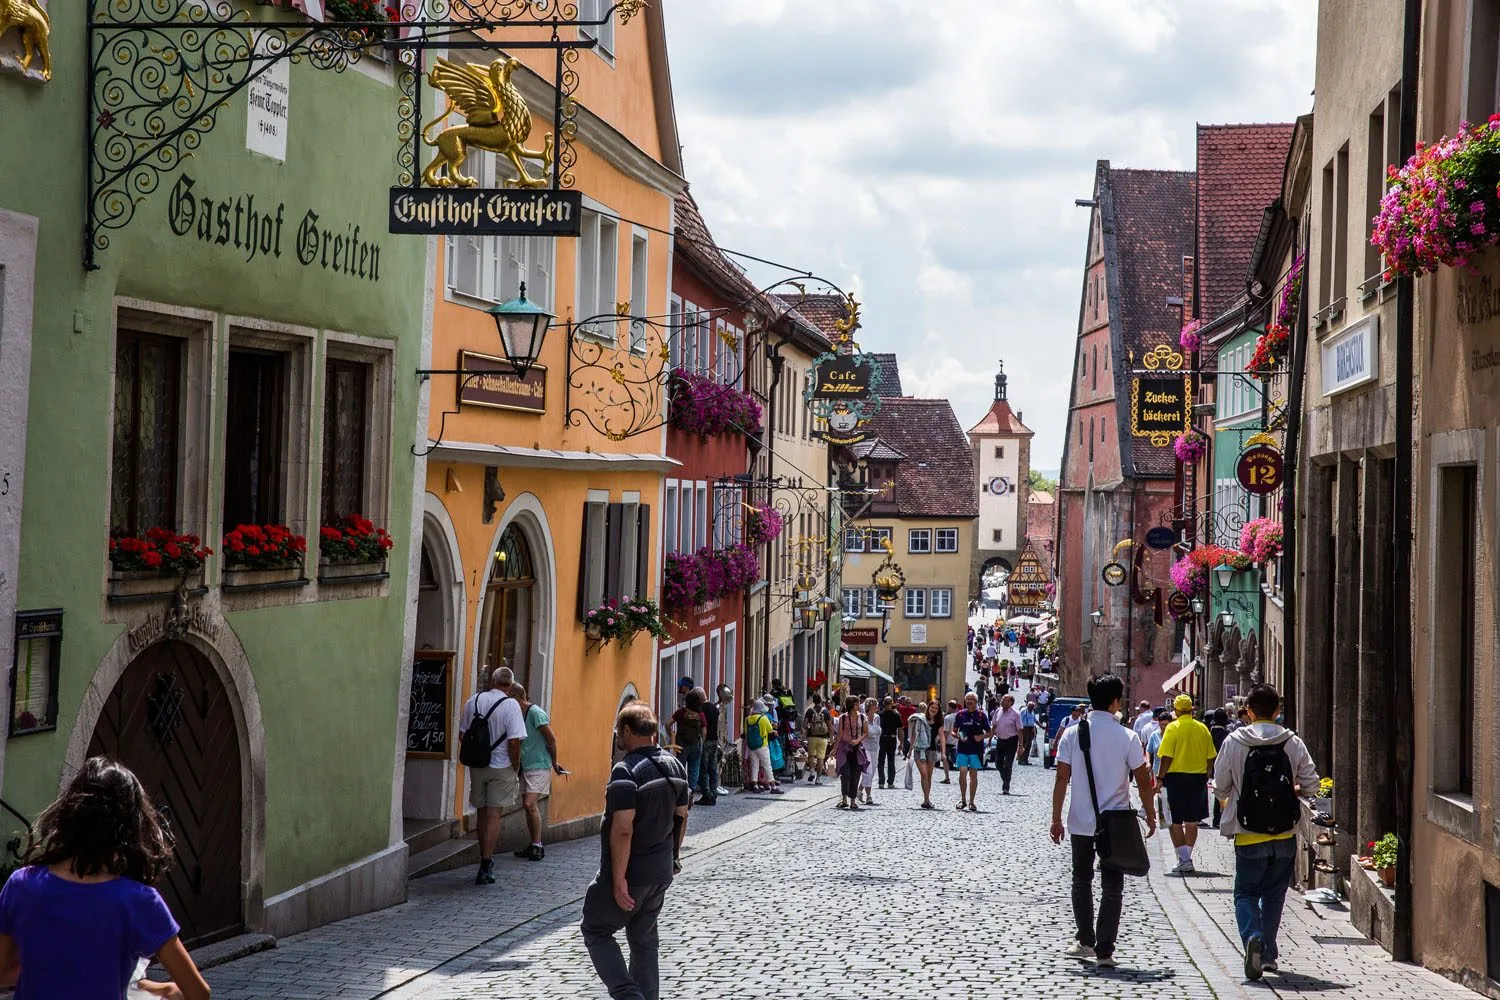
column 536, row 508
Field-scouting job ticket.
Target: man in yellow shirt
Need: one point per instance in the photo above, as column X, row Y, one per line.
column 1182, row 769
column 1262, row 768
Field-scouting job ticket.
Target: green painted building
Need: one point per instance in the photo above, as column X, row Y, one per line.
column 243, row 354
column 1237, row 417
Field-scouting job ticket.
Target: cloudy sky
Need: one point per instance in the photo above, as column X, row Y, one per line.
column 926, row 155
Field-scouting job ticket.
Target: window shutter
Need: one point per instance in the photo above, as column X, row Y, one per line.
column 583, row 566
column 613, row 515
column 643, row 549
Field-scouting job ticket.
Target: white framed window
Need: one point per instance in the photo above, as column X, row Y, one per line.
column 940, row 600
column 492, row 268
column 639, row 262
column 669, row 517
column 674, row 332
column 731, row 670
column 919, row 540
column 916, row 602
column 854, row 540
column 852, row 598
column 877, row 536
column 598, row 270
column 613, row 570
column 594, row 10
column 687, row 337
column 685, row 510
column 715, row 660
column 872, row 603
column 947, row 540
column 700, row 527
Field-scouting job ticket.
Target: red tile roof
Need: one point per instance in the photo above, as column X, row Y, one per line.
column 890, row 375
column 696, row 244
column 1001, row 420
column 937, row 477
column 1150, row 213
column 1240, row 170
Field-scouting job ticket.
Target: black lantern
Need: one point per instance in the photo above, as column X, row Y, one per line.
column 522, row 325
column 1197, row 605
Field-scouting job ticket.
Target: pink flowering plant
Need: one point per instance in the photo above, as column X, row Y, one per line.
column 1443, row 204
column 620, row 620
column 691, row 579
column 1291, row 293
column 708, row 408
column 1190, row 573
column 1190, row 446
column 1261, row 539
column 762, row 524
column 1188, row 339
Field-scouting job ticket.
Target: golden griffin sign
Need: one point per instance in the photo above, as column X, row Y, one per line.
column 33, row 28
column 496, row 119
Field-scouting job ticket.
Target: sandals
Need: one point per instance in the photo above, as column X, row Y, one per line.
column 962, row 806
column 1326, row 839
column 1325, row 820
column 973, row 808
column 1324, row 866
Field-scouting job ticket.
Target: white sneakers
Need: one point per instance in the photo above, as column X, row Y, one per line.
column 1082, row 952
column 1185, row 867
column 1108, row 962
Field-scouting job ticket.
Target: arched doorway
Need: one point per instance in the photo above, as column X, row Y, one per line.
column 170, row 720
column 508, row 623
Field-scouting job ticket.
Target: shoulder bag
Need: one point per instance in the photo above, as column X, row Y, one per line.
column 1117, row 832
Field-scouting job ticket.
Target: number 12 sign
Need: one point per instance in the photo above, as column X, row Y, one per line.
column 1259, row 469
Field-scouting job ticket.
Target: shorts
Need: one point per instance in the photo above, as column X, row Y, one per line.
column 1187, row 797
column 817, row 747
column 537, row 782
column 925, row 756
column 969, row 760
column 493, row 787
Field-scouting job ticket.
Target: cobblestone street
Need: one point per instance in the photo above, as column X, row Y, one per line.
column 789, row 897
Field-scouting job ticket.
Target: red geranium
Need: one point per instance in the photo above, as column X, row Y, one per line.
column 354, row 539
column 160, row 549
column 263, row 546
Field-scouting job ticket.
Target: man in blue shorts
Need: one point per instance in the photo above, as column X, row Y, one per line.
column 973, row 728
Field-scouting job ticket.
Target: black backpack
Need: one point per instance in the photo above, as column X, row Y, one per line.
column 1268, row 801
column 474, row 748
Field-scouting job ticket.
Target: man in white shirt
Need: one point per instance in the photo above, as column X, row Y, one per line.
column 492, row 788
column 1116, row 756
column 1144, row 719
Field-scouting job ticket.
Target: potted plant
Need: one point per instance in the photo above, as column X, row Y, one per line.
column 1261, row 539
column 260, row 554
column 1442, row 206
column 1190, row 446
column 762, row 524
column 621, row 620
column 352, row 547
column 701, row 405
column 1323, row 801
column 1383, row 854
column 153, row 564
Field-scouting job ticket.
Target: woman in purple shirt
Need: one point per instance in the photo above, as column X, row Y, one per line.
column 76, row 920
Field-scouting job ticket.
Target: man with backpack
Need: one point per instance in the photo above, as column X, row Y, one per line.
column 687, row 729
column 817, row 725
column 1260, row 771
column 492, row 727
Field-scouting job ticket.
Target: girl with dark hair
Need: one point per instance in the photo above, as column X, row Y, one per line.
column 75, row 921
column 852, row 730
column 925, row 733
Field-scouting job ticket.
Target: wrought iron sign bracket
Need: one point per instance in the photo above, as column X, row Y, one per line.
column 159, row 71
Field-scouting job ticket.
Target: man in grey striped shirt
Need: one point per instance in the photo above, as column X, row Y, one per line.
column 645, row 818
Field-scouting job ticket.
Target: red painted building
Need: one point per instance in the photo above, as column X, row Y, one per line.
column 702, row 506
column 1115, row 486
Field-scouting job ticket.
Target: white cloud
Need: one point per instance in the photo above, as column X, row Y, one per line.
column 928, row 154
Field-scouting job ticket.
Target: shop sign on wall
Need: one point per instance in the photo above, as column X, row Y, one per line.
column 486, row 212
column 1161, row 405
column 496, row 384
column 270, row 102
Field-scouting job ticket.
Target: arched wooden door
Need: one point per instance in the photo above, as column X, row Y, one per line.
column 169, row 720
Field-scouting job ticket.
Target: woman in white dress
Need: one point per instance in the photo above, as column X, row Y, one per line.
column 872, row 748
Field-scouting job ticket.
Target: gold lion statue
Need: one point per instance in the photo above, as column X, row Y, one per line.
column 497, row 120
column 33, row 26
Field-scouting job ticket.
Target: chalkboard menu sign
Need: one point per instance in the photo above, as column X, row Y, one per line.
column 431, row 710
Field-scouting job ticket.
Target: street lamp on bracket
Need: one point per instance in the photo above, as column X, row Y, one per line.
column 522, row 326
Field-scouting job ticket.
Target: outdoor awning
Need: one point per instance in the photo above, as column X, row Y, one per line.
column 853, row 666
column 1177, row 678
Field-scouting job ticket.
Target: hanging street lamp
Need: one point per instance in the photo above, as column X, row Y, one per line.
column 522, row 325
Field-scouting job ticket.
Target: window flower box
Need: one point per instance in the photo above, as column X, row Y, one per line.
column 351, row 572
column 262, row 555
column 700, row 405
column 622, row 620
column 1442, row 207
column 155, row 564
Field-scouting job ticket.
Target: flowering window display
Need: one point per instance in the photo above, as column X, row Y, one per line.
column 354, row 539
column 700, row 405
column 621, row 620
column 1188, row 339
column 263, row 546
column 762, row 524
column 160, row 550
column 1190, row 573
column 706, row 575
column 1270, row 348
column 1443, row 204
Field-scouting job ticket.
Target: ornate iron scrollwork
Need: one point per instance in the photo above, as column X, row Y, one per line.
column 624, row 386
column 164, row 707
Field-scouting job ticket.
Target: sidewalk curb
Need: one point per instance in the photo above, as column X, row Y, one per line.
column 1201, row 936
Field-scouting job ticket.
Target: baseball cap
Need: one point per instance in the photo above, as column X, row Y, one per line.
column 1183, row 703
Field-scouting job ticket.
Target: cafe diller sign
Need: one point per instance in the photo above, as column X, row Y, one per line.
column 1161, row 406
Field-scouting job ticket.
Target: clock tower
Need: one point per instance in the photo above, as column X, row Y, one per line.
column 1001, row 445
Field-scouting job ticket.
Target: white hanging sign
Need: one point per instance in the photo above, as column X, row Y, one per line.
column 269, row 95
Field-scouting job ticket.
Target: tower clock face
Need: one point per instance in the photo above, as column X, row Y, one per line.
column 999, row 486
